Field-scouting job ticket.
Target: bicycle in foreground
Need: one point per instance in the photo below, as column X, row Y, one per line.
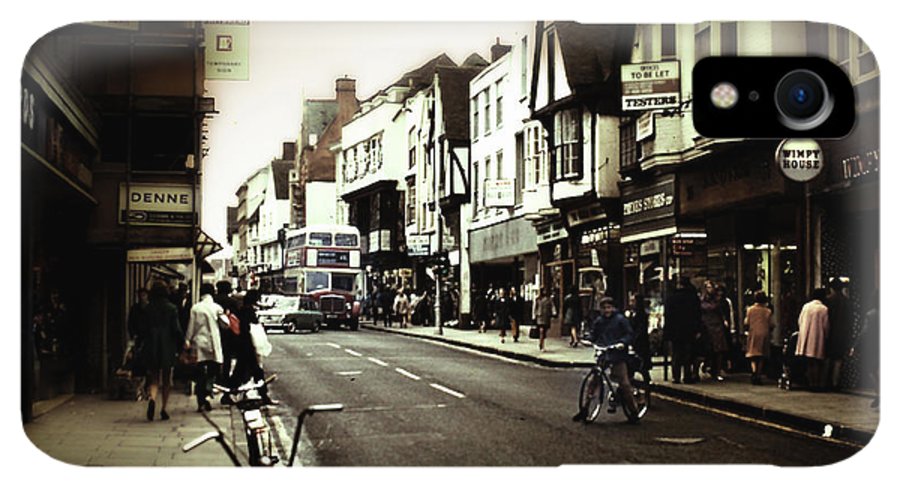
column 599, row 388
column 260, row 447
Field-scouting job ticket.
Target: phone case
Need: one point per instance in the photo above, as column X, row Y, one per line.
column 509, row 188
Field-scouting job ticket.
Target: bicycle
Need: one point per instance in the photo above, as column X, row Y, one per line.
column 598, row 381
column 260, row 449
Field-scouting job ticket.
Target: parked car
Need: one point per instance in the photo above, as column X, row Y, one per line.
column 292, row 314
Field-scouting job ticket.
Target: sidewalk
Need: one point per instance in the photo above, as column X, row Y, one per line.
column 91, row 430
column 848, row 414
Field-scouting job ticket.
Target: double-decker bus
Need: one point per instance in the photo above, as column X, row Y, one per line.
column 323, row 261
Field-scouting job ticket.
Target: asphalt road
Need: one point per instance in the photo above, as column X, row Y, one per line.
column 411, row 402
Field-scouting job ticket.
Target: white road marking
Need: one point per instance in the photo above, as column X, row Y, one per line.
column 351, row 372
column 407, row 374
column 448, row 391
column 284, row 439
column 378, row 362
column 334, row 345
column 354, row 353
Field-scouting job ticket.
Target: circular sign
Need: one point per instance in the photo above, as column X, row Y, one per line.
column 800, row 160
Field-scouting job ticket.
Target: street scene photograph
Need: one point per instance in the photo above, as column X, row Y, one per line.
column 449, row 244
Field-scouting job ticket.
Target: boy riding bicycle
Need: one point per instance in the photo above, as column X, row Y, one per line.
column 612, row 329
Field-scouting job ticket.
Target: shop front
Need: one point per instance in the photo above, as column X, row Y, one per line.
column 598, row 258
column 557, row 266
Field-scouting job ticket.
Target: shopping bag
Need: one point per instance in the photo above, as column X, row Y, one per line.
column 260, row 340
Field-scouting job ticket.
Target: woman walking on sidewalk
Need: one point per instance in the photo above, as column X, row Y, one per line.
column 572, row 315
column 515, row 313
column 812, row 338
column 401, row 308
column 542, row 310
column 204, row 338
column 163, row 338
column 759, row 323
column 501, row 314
column 713, row 317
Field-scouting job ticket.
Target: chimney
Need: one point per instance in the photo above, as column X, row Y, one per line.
column 345, row 92
column 288, row 150
column 498, row 50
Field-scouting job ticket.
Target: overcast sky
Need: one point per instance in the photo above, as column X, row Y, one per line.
column 292, row 60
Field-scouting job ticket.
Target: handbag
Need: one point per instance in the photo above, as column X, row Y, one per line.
column 187, row 357
column 260, row 340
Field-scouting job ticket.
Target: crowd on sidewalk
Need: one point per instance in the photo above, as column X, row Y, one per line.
column 211, row 341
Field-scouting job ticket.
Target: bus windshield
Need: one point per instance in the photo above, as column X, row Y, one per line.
column 316, row 281
column 343, row 281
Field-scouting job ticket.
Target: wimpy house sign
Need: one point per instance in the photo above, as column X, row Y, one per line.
column 156, row 204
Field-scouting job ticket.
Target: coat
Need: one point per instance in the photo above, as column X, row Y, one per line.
column 606, row 331
column 682, row 316
column 542, row 310
column 163, row 335
column 572, row 313
column 501, row 312
column 713, row 318
column 203, row 330
column 759, row 324
column 401, row 305
column 813, row 330
column 840, row 324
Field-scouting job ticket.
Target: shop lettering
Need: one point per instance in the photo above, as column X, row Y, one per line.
column 651, row 72
column 651, row 101
column 160, row 198
column 649, row 203
column 801, row 159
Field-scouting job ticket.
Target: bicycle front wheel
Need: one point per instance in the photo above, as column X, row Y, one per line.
column 640, row 387
column 590, row 399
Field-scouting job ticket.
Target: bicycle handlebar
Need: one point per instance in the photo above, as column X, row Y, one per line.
column 309, row 411
column 246, row 387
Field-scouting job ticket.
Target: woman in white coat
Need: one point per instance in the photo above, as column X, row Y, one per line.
column 812, row 335
column 204, row 340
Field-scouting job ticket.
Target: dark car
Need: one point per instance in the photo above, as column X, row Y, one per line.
column 293, row 314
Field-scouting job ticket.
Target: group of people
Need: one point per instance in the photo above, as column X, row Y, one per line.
column 704, row 335
column 387, row 303
column 498, row 309
column 217, row 337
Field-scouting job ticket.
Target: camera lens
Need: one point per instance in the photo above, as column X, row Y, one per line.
column 802, row 100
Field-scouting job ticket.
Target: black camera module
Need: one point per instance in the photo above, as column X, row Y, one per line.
column 802, row 100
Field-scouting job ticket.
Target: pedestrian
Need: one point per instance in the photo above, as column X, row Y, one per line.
column 480, row 310
column 137, row 331
column 161, row 345
column 682, row 328
column 501, row 313
column 572, row 315
column 865, row 349
column 713, row 317
column 640, row 323
column 386, row 299
column 813, row 329
column 542, row 310
column 840, row 331
column 515, row 313
column 203, row 337
column 248, row 366
column 401, row 308
column 759, row 323
column 733, row 333
column 230, row 306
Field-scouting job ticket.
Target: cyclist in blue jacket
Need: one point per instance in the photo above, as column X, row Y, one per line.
column 612, row 329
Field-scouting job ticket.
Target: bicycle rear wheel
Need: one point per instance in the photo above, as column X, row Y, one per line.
column 590, row 399
column 640, row 387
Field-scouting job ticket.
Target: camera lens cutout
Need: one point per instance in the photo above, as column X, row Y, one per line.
column 803, row 100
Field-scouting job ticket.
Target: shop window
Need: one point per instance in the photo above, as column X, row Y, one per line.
column 668, row 42
column 702, row 40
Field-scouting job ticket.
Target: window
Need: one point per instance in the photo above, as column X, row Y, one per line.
column 842, row 46
column 341, row 239
column 476, row 185
column 486, row 95
column 499, row 111
column 728, row 36
column 523, row 70
column 412, row 148
column 411, row 201
column 551, row 67
column 342, row 281
column 316, row 281
column 628, row 146
column 567, row 142
column 668, row 41
column 475, row 117
column 488, row 169
column 865, row 59
column 366, row 156
column 520, row 166
column 320, row 239
column 702, row 41
column 816, row 38
column 500, row 173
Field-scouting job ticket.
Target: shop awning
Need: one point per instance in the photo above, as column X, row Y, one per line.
column 206, row 245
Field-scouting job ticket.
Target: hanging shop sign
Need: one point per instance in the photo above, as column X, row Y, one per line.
column 800, row 160
column 644, row 126
column 227, row 50
column 651, row 86
column 159, row 255
column 156, row 204
column 418, row 245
